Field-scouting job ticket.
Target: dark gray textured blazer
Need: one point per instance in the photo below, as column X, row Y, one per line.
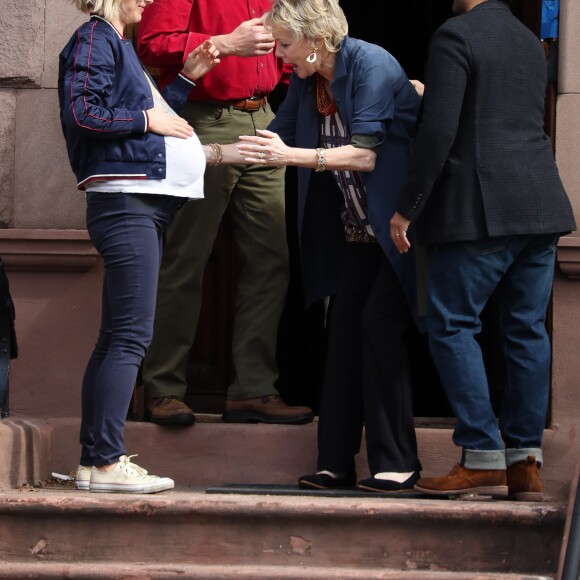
column 482, row 164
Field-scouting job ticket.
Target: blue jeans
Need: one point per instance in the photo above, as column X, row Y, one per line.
column 127, row 230
column 462, row 277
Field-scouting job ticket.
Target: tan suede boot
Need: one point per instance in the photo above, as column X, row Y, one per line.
column 524, row 481
column 462, row 480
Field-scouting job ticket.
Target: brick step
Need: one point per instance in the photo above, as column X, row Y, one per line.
column 213, row 453
column 199, row 535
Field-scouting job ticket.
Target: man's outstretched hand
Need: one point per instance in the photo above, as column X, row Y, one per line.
column 399, row 227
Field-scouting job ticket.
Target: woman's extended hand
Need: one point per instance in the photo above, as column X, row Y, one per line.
column 266, row 148
column 201, row 60
column 168, row 125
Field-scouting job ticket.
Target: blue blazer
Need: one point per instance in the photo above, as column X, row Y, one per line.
column 375, row 99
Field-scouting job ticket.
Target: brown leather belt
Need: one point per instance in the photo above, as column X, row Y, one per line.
column 251, row 104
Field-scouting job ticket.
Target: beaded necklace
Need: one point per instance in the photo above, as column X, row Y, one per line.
column 324, row 104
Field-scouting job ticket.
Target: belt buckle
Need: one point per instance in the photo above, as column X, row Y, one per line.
column 249, row 104
column 257, row 100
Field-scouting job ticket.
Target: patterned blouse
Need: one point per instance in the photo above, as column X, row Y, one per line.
column 355, row 214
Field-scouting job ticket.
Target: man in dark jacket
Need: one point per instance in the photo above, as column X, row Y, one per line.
column 483, row 193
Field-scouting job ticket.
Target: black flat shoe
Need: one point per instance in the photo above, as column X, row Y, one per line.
column 388, row 485
column 324, row 481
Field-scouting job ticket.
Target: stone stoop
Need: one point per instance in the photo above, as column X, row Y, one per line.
column 193, row 534
column 212, row 453
column 268, row 528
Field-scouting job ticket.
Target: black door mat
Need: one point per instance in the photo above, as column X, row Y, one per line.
column 278, row 489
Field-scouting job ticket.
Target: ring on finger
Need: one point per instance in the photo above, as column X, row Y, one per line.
column 261, row 155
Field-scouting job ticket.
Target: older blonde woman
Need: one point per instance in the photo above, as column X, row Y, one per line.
column 138, row 162
column 348, row 123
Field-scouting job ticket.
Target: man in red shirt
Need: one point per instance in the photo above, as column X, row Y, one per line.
column 229, row 102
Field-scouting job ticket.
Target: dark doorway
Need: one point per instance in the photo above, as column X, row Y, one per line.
column 403, row 27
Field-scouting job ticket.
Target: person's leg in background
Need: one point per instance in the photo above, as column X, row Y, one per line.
column 257, row 215
column 256, row 212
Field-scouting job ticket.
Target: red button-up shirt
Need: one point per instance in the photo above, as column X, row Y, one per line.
column 171, row 29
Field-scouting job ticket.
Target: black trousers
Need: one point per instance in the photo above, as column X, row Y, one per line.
column 367, row 379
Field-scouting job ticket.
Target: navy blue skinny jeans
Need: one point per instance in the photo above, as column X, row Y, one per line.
column 127, row 230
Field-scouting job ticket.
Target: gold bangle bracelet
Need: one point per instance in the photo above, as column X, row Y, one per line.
column 217, row 155
column 321, row 166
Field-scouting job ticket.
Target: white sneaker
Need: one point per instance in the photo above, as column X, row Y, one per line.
column 127, row 477
column 83, row 478
column 83, row 475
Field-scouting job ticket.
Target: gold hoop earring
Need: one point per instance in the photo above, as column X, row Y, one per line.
column 312, row 56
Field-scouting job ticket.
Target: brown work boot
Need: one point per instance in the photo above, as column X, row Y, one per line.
column 462, row 480
column 267, row 409
column 523, row 480
column 170, row 410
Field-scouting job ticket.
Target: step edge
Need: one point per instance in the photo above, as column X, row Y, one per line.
column 200, row 503
column 137, row 571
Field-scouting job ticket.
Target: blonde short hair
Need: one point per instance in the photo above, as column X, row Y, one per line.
column 310, row 19
column 107, row 9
